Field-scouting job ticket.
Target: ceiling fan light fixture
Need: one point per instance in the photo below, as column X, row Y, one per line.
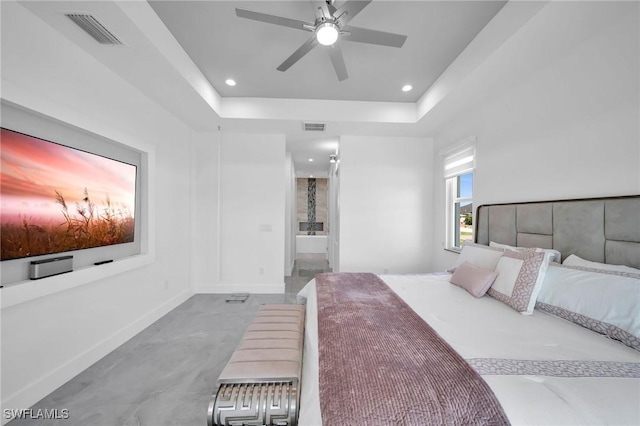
column 327, row 33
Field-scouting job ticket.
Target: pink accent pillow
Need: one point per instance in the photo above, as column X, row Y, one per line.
column 472, row 278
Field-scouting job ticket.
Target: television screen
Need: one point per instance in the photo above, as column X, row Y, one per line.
column 57, row 199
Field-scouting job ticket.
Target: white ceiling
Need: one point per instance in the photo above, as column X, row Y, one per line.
column 178, row 53
column 225, row 46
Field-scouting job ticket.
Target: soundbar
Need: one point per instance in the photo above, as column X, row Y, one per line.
column 48, row 267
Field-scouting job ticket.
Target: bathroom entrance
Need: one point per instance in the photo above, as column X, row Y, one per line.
column 312, row 215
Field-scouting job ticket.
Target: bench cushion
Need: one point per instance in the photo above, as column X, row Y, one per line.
column 271, row 348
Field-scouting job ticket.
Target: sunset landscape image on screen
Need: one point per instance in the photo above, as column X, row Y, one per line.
column 57, row 199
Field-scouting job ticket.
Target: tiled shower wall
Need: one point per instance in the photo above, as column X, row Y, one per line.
column 312, row 196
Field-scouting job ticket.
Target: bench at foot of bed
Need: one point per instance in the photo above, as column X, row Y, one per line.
column 260, row 384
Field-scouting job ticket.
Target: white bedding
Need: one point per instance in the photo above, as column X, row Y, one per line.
column 486, row 329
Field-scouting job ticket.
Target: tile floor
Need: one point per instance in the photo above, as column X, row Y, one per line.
column 165, row 375
column 305, row 268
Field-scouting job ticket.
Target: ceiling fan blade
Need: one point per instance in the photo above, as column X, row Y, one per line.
column 272, row 19
column 364, row 35
column 298, row 54
column 349, row 10
column 337, row 59
column 332, row 8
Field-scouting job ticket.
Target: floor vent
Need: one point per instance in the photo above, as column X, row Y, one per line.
column 94, row 28
column 314, row 127
column 237, row 298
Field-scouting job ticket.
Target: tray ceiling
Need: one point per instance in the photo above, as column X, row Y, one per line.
column 224, row 46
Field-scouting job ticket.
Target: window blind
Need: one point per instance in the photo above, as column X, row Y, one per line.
column 459, row 163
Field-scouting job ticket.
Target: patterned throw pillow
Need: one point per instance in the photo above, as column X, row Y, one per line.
column 556, row 256
column 520, row 276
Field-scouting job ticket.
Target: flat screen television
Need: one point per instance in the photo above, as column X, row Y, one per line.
column 55, row 198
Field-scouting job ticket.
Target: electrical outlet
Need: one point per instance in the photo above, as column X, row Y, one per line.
column 261, row 271
column 166, row 284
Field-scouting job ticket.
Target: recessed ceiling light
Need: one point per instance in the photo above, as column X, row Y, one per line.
column 310, row 159
column 310, row 176
column 230, row 82
column 407, row 88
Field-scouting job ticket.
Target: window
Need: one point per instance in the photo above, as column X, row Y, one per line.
column 462, row 209
column 458, row 172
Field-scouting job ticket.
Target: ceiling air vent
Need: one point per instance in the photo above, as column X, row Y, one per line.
column 94, row 28
column 314, row 127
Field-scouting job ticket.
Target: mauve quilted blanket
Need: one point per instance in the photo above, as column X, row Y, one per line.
column 381, row 364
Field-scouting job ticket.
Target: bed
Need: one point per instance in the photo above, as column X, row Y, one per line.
column 561, row 346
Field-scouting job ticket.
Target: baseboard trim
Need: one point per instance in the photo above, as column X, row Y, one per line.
column 240, row 288
column 35, row 391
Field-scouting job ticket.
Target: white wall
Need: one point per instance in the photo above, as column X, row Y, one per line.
column 48, row 340
column 240, row 206
column 290, row 215
column 385, row 204
column 558, row 115
column 206, row 209
column 333, row 249
column 252, row 213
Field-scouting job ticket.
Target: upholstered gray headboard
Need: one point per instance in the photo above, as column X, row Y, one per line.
column 603, row 230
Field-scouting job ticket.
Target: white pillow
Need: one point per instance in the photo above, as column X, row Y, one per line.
column 520, row 276
column 556, row 255
column 476, row 254
column 574, row 260
column 602, row 301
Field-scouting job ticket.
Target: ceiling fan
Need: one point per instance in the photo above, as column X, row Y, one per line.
column 329, row 26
